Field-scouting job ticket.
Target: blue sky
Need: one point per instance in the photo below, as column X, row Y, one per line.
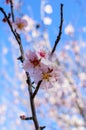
column 74, row 13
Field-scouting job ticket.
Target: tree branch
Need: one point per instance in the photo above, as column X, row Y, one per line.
column 32, row 102
column 60, row 30
column 12, row 11
column 37, row 88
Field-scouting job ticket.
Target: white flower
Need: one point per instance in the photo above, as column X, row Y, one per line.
column 30, row 23
column 69, row 30
column 48, row 9
column 47, row 20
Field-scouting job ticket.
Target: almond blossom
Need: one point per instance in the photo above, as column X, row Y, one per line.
column 50, row 76
column 39, row 70
column 69, row 30
column 48, row 9
column 20, row 25
column 45, row 55
column 31, row 61
column 30, row 23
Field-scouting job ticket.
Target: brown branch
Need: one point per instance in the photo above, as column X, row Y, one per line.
column 37, row 88
column 12, row 11
column 32, row 102
column 60, row 31
column 42, row 127
column 16, row 35
column 8, row 21
column 21, row 58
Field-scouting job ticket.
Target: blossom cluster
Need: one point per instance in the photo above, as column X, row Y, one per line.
column 42, row 68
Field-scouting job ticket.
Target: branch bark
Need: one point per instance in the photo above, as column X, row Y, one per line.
column 60, row 30
column 37, row 88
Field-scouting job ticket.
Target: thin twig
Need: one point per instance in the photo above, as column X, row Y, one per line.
column 42, row 127
column 12, row 11
column 16, row 35
column 37, row 88
column 60, row 30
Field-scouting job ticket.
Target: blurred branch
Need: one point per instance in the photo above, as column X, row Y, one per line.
column 60, row 30
column 37, row 88
column 70, row 122
column 12, row 12
column 77, row 103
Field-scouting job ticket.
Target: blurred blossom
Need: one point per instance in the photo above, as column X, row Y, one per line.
column 47, row 20
column 3, row 109
column 2, row 120
column 17, row 4
column 84, row 29
column 48, row 9
column 79, row 128
column 35, row 33
column 76, row 49
column 69, row 30
column 82, row 43
column 42, row 44
column 28, row 37
column 82, row 76
column 5, row 50
column 77, row 58
column 30, row 23
column 67, row 47
column 15, row 93
column 76, row 120
column 20, row 25
column 18, row 122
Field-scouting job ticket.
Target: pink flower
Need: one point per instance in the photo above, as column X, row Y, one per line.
column 30, row 23
column 20, row 25
column 49, row 75
column 42, row 54
column 39, row 70
column 46, row 57
column 32, row 62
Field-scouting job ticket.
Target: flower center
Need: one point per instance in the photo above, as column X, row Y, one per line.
column 20, row 25
column 35, row 62
column 46, row 76
column 42, row 54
